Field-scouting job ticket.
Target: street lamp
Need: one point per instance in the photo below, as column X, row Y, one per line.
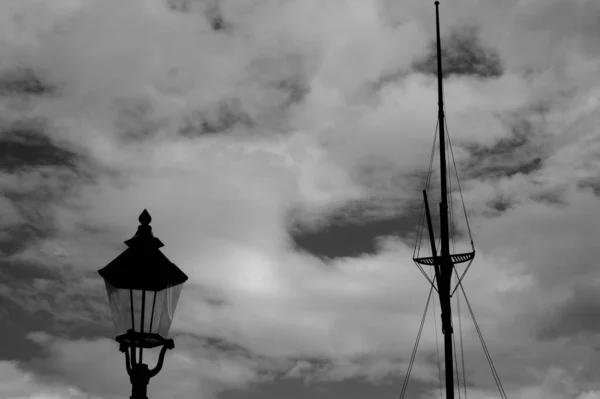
column 143, row 288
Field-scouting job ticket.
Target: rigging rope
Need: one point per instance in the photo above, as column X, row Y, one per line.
column 426, row 276
column 437, row 347
column 459, row 279
column 462, row 276
column 462, row 350
column 437, row 126
column 453, row 244
column 416, row 253
column 421, row 227
column 451, row 205
column 417, row 249
column 451, row 210
column 485, row 349
column 460, row 188
column 414, row 353
column 458, row 179
column 456, row 365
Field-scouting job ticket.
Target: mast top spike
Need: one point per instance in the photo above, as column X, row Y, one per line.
column 437, row 3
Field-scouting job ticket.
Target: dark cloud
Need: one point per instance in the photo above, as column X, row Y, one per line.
column 389, row 78
column 500, row 204
column 72, row 303
column 359, row 371
column 14, row 320
column 591, row 184
column 551, row 196
column 295, row 89
column 286, row 78
column 222, row 118
column 359, row 228
column 463, row 54
column 183, row 6
column 343, row 238
column 211, row 9
column 23, row 81
column 575, row 317
column 299, row 388
column 517, row 153
column 32, row 194
column 136, row 119
column 216, row 345
column 19, row 237
column 214, row 15
column 25, row 144
column 562, row 22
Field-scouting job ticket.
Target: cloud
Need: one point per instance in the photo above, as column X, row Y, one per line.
column 18, row 384
column 232, row 137
column 553, row 383
column 22, row 81
column 573, row 317
column 462, row 54
column 97, row 367
column 71, row 300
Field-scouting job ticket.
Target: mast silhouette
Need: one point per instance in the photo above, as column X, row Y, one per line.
column 444, row 264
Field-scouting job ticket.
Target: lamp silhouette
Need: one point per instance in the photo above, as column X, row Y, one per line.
column 143, row 288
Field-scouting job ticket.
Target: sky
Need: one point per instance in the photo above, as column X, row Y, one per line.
column 281, row 147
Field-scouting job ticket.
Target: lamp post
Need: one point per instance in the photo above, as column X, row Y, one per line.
column 143, row 288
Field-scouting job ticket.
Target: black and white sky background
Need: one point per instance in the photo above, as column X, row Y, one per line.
column 280, row 147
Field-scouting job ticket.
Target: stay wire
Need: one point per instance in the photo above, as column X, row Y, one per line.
column 431, row 157
column 451, row 210
column 460, row 190
column 453, row 243
column 485, row 349
column 417, row 249
column 414, row 353
column 462, row 350
column 426, row 276
column 421, row 227
column 456, row 365
column 449, row 199
column 464, row 273
column 449, row 145
column 437, row 347
column 429, row 172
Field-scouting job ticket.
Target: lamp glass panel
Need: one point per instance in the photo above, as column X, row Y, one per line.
column 120, row 307
column 166, row 312
column 153, row 303
column 156, row 307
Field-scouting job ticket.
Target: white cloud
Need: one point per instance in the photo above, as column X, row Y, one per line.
column 18, row 384
column 97, row 367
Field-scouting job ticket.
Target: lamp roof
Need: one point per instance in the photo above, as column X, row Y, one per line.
column 143, row 266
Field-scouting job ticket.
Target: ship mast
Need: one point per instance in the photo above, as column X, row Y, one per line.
column 444, row 265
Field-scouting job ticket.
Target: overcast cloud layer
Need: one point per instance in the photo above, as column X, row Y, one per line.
column 255, row 131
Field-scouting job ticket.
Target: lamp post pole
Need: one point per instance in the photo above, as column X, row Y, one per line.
column 139, row 373
column 143, row 288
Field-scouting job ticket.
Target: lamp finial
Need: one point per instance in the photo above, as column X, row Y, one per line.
column 145, row 218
